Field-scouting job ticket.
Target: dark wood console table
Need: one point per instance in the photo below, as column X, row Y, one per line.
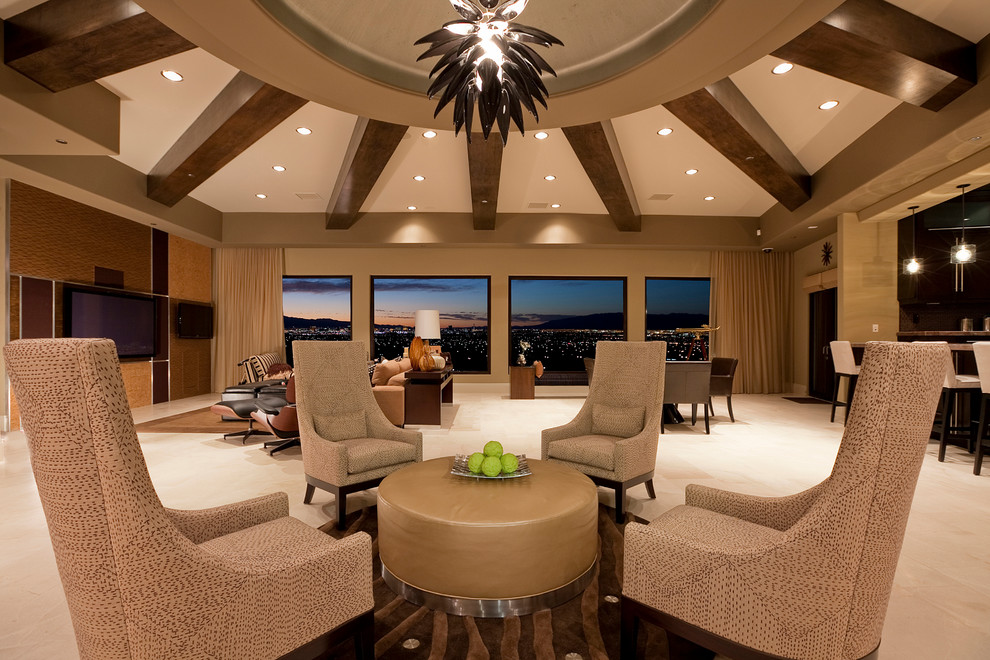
column 425, row 391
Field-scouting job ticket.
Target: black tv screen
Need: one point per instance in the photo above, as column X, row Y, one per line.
column 194, row 321
column 127, row 319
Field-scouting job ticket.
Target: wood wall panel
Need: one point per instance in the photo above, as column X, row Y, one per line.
column 137, row 382
column 15, row 307
column 37, row 308
column 57, row 238
column 190, row 270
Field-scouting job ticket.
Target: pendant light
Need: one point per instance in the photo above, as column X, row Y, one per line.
column 912, row 265
column 963, row 252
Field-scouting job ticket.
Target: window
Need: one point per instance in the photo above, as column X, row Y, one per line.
column 558, row 320
column 464, row 304
column 316, row 308
column 674, row 304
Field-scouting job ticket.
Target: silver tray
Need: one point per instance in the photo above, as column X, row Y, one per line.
column 461, row 468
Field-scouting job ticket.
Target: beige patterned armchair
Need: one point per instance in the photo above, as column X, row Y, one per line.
column 806, row 576
column 614, row 437
column 241, row 581
column 348, row 444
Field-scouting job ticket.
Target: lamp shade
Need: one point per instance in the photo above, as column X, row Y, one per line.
column 428, row 323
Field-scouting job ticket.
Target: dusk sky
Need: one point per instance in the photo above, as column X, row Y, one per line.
column 317, row 297
column 538, row 301
column 665, row 296
column 463, row 302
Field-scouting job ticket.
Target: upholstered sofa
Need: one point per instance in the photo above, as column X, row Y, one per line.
column 388, row 383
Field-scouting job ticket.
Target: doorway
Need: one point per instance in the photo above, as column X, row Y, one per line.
column 822, row 323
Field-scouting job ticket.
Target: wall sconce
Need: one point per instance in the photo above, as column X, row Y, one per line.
column 912, row 265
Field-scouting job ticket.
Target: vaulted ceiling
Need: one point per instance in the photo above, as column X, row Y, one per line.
column 910, row 77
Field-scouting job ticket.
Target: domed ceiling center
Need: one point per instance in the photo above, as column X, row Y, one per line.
column 375, row 38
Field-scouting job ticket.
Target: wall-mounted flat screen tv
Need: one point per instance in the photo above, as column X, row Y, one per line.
column 194, row 321
column 127, row 319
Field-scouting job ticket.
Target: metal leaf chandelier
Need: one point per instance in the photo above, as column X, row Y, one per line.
column 487, row 61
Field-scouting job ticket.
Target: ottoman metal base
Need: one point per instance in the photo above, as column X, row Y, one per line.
column 489, row 608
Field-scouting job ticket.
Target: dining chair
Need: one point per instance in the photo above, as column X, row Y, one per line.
column 845, row 367
column 723, row 375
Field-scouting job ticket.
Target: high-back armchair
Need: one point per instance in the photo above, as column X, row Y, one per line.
column 614, row 437
column 804, row 576
column 241, row 581
column 348, row 445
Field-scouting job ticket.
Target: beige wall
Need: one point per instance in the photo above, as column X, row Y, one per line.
column 499, row 263
column 867, row 279
column 807, row 261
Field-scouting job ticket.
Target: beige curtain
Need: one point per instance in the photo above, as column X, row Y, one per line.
column 249, row 309
column 751, row 301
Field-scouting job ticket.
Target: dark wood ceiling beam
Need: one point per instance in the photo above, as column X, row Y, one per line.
column 725, row 118
column 372, row 145
column 596, row 147
column 244, row 112
column 64, row 43
column 877, row 45
column 485, row 167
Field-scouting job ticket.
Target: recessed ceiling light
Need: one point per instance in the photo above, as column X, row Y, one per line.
column 302, row 130
column 665, row 131
column 278, row 168
column 411, row 208
column 782, row 68
column 555, row 206
column 419, row 177
column 709, row 198
column 691, row 171
column 261, row 196
column 828, row 105
column 429, row 134
column 550, row 177
column 812, row 226
column 542, row 135
column 61, row 141
column 174, row 76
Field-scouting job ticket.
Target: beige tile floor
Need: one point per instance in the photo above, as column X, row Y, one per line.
column 940, row 606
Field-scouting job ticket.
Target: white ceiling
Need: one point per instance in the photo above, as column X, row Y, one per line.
column 155, row 112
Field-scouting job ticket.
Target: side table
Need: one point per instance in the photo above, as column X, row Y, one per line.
column 522, row 383
column 425, row 392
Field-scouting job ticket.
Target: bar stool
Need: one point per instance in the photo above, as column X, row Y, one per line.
column 981, row 350
column 954, row 385
column 845, row 367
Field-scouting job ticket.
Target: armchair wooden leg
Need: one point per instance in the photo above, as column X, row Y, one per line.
column 341, row 508
column 310, row 489
column 849, row 396
column 711, row 406
column 630, row 631
column 649, row 489
column 707, row 429
column 694, row 414
column 620, row 496
column 728, row 403
column 364, row 638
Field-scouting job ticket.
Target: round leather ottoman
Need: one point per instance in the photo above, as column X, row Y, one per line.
column 484, row 547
